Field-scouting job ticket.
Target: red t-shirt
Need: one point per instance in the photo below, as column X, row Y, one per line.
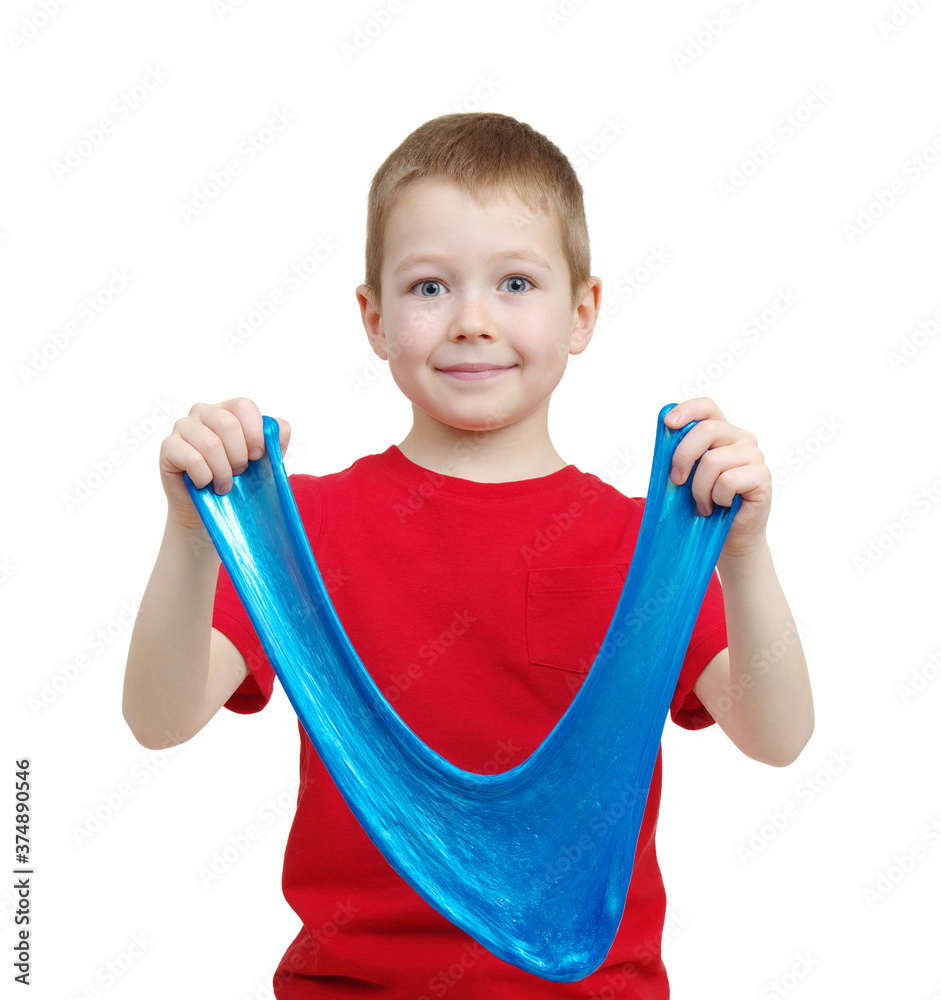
column 478, row 609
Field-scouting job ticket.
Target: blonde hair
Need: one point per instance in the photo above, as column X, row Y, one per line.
column 485, row 153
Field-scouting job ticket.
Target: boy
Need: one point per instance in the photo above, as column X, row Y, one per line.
column 477, row 290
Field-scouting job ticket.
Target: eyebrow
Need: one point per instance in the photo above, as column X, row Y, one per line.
column 504, row 255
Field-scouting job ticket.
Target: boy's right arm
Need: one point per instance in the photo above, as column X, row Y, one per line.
column 181, row 671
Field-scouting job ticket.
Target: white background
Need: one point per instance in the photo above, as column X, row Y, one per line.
column 656, row 122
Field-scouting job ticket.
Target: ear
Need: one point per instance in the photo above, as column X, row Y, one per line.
column 586, row 315
column 372, row 320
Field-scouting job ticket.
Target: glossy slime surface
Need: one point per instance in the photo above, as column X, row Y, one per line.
column 492, row 852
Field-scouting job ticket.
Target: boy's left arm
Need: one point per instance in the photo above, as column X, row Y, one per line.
column 758, row 689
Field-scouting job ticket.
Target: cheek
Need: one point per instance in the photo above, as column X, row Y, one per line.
column 407, row 350
column 549, row 352
column 415, row 328
column 399, row 334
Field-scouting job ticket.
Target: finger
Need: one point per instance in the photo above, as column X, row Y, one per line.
column 699, row 439
column 250, row 432
column 217, row 434
column 177, row 456
column 723, row 472
column 699, row 408
column 201, row 449
column 284, row 433
column 751, row 482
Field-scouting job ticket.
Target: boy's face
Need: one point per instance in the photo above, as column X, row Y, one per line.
column 476, row 318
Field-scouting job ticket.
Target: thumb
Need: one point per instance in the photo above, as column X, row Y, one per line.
column 284, row 433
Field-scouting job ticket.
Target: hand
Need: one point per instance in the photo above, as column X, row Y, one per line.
column 213, row 443
column 729, row 463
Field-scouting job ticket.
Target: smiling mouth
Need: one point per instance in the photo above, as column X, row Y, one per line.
column 475, row 372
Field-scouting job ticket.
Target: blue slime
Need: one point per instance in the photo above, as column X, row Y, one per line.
column 489, row 851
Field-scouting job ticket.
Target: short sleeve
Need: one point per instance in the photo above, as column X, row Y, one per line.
column 708, row 639
column 230, row 617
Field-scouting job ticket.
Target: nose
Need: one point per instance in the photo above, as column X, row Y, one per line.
column 472, row 321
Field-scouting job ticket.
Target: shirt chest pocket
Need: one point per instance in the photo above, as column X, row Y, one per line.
column 568, row 611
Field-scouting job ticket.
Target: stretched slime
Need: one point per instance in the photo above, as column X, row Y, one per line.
column 489, row 851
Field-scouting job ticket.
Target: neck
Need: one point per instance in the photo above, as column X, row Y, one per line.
column 506, row 454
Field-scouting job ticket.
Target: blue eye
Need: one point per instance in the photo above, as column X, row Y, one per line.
column 515, row 284
column 428, row 289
